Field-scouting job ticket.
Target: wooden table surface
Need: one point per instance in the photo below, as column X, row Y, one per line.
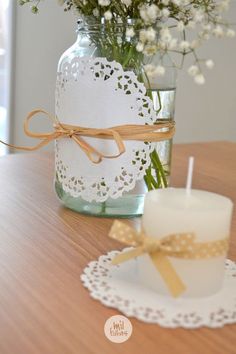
column 44, row 309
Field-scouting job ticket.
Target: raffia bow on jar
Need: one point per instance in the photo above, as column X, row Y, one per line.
column 179, row 245
column 147, row 133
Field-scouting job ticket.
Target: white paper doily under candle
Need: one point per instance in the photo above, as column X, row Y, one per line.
column 119, row 287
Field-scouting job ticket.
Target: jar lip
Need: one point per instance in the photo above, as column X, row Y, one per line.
column 88, row 23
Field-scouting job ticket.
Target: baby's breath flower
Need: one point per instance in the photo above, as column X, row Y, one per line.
column 193, row 70
column 223, row 6
column 199, row 79
column 151, row 34
column 163, row 45
column 218, row 31
column 143, row 35
column 130, row 32
column 153, row 71
column 148, row 35
column 198, row 16
column 195, row 44
column 149, row 68
column 165, row 35
column 152, row 30
column 139, row 47
column 149, row 13
column 152, row 12
column 150, row 49
column 177, row 2
column 230, row 33
column 143, row 14
column 108, row 15
column 204, row 35
column 165, row 12
column 159, row 70
column 209, row 63
column 173, row 43
column 104, row 2
column 184, row 45
column 126, row 2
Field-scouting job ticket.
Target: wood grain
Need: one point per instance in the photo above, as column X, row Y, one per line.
column 44, row 247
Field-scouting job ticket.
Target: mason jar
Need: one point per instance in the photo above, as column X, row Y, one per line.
column 103, row 81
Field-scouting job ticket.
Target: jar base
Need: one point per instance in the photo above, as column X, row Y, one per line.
column 127, row 206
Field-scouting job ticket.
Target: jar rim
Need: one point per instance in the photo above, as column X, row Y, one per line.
column 90, row 23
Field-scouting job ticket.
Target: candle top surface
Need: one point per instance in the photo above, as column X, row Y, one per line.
column 196, row 200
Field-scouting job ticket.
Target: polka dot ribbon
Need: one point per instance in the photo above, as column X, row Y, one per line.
column 180, row 245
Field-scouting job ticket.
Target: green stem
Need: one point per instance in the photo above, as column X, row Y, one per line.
column 103, row 208
column 159, row 101
column 158, row 165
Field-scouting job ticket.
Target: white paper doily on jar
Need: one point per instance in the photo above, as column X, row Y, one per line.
column 119, row 287
column 96, row 93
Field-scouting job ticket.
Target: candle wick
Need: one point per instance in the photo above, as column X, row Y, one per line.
column 190, row 175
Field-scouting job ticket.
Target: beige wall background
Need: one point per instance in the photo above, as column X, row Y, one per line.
column 203, row 113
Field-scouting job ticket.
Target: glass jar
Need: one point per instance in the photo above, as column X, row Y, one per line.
column 104, row 40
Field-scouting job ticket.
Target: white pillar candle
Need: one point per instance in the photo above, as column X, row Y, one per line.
column 207, row 215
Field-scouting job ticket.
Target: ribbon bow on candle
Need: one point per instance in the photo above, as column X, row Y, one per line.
column 146, row 133
column 181, row 245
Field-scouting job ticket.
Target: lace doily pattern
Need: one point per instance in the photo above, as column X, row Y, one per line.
column 94, row 92
column 119, row 287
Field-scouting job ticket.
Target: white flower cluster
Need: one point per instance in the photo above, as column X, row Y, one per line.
column 163, row 26
column 126, row 2
column 104, row 2
column 152, row 71
column 203, row 18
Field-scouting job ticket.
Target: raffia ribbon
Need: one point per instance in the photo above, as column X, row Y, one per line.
column 181, row 245
column 146, row 133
